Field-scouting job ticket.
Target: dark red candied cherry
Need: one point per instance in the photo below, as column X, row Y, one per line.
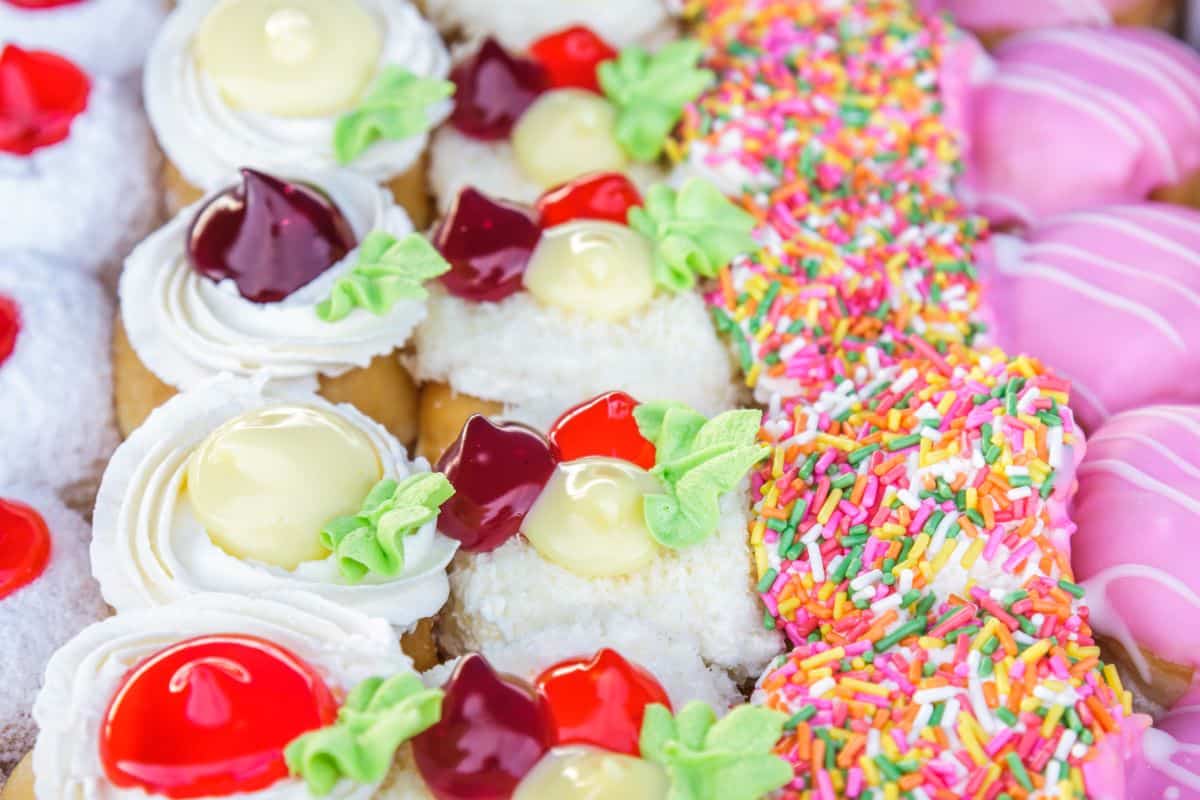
column 41, row 94
column 570, row 57
column 37, row 4
column 492, row 90
column 270, row 236
column 24, row 546
column 600, row 701
column 602, row 426
column 494, row 729
column 498, row 470
column 488, row 244
column 10, row 326
column 210, row 717
column 599, row 195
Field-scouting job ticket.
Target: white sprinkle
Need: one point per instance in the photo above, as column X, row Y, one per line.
column 866, row 579
column 936, row 695
column 1020, row 493
column 821, row 687
column 815, row 563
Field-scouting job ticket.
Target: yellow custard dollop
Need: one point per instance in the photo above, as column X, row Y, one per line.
column 587, row 773
column 600, row 269
column 289, row 58
column 564, row 134
column 589, row 519
column 265, row 483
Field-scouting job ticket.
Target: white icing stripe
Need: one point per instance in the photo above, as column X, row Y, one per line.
column 1111, row 299
column 1085, row 10
column 1134, row 230
column 1185, row 416
column 1132, row 474
column 1085, row 392
column 1042, row 83
column 1184, row 222
column 1009, row 203
column 1092, row 260
column 1160, row 749
column 1107, row 435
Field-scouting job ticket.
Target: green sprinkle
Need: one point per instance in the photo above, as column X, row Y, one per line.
column 1018, row 771
column 1073, row 588
column 805, row 713
column 910, row 628
column 904, row 442
column 767, row 579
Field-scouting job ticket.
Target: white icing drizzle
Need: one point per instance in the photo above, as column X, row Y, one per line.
column 1137, row 477
column 1139, row 233
column 1160, row 748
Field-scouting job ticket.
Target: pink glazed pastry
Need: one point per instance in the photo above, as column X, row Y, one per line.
column 993, row 19
column 1080, row 118
column 1137, row 546
column 1111, row 298
column 1167, row 766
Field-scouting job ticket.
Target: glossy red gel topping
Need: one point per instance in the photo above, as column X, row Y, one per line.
column 498, row 469
column 270, row 236
column 602, row 426
column 211, row 716
column 600, row 195
column 488, row 244
column 24, row 546
column 600, row 701
column 10, row 326
column 32, row 4
column 492, row 91
column 41, row 94
column 570, row 57
column 493, row 730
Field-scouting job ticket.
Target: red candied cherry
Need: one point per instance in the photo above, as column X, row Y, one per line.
column 493, row 730
column 270, row 236
column 24, row 546
column 570, row 57
column 600, row 701
column 10, row 326
column 602, row 426
column 601, row 195
column 492, row 90
column 32, row 4
column 488, row 244
column 498, row 470
column 41, row 94
column 210, row 717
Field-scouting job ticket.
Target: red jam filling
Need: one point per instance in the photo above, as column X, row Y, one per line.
column 210, row 717
column 10, row 326
column 498, row 470
column 38, row 4
column 24, row 546
column 492, row 91
column 493, row 730
column 488, row 244
column 270, row 236
column 570, row 58
column 600, row 701
column 604, row 196
column 41, row 94
column 602, row 426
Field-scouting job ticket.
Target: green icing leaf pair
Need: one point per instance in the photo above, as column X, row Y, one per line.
column 697, row 460
column 378, row 716
column 396, row 107
column 373, row 539
column 696, row 232
column 388, row 271
column 707, row 759
column 650, row 92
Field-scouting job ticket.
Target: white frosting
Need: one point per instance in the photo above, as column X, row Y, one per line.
column 106, row 37
column 207, row 140
column 343, row 646
column 518, row 23
column 187, row 328
column 149, row 549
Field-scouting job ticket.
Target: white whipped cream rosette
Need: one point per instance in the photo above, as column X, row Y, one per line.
column 106, row 37
column 151, row 548
column 518, row 23
column 90, row 197
column 39, row 617
column 206, row 137
column 344, row 647
column 56, row 416
column 186, row 328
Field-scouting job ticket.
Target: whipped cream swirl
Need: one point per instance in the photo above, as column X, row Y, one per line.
column 150, row 549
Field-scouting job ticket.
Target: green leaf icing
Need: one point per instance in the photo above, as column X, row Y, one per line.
column 707, row 759
column 378, row 716
column 396, row 107
column 388, row 271
column 696, row 231
column 373, row 539
column 650, row 92
column 697, row 460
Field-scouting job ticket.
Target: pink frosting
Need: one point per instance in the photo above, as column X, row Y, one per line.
column 1079, row 118
column 1167, row 766
column 1138, row 542
column 1020, row 15
column 1110, row 298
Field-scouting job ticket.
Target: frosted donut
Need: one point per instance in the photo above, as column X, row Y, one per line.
column 993, row 21
column 1168, row 764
